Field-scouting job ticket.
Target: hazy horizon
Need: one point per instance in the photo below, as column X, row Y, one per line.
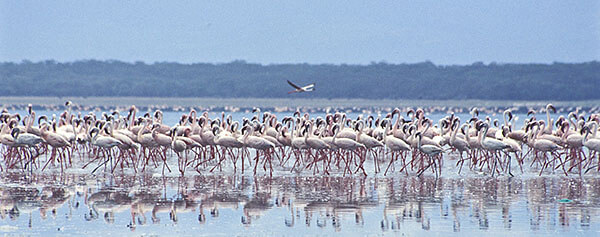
column 292, row 63
column 354, row 32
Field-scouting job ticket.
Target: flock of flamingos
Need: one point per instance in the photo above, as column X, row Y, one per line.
column 334, row 143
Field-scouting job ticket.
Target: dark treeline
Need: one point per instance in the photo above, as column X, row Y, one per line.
column 557, row 81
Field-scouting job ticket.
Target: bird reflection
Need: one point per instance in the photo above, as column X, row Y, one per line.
column 319, row 202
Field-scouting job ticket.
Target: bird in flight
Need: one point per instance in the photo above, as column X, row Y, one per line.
column 309, row 87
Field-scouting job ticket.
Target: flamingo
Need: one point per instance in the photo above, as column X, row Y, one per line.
column 550, row 121
column 492, row 145
column 346, row 144
column 317, row 144
column 27, row 140
column 126, row 146
column 430, row 151
column 395, row 144
column 458, row 143
column 227, row 141
column 369, row 142
column 106, row 143
column 259, row 144
column 591, row 142
column 56, row 141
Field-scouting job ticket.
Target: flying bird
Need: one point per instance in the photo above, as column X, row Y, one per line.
column 309, row 87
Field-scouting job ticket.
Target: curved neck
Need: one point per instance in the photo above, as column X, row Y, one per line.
column 335, row 134
column 565, row 133
column 132, row 119
column 454, row 132
column 541, row 131
column 141, row 131
column 426, row 127
column 532, row 136
column 95, row 137
column 483, row 134
column 550, row 124
column 309, row 130
column 292, row 129
column 594, row 128
column 16, row 133
column 248, row 132
column 573, row 123
column 396, row 125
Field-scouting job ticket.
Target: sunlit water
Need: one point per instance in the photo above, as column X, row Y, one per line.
column 228, row 203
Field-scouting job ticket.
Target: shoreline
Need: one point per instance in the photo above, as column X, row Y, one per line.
column 284, row 104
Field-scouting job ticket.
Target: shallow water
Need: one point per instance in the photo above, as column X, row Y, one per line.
column 228, row 203
column 247, row 205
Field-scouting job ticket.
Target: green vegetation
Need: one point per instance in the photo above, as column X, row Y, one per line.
column 557, row 81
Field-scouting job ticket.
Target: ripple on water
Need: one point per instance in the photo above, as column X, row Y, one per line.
column 290, row 205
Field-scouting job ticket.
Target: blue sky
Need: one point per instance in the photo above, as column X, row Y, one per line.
column 353, row 32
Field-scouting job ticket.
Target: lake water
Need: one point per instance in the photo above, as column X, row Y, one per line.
column 226, row 203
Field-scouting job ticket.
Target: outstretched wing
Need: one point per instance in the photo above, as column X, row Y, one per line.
column 310, row 87
column 294, row 85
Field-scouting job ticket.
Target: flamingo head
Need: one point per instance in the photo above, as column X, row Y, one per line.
column 246, row 128
column 475, row 112
column 479, row 125
column 15, row 132
column 550, row 107
column 409, row 112
column 560, row 121
column 419, row 135
column 395, row 111
column 385, row 122
column 335, row 128
column 94, row 130
column 215, row 122
column 420, row 113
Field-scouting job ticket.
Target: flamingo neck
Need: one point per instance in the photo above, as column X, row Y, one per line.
column 251, row 130
column 132, row 119
column 541, row 131
column 454, row 132
column 594, row 128
column 573, row 123
column 484, row 134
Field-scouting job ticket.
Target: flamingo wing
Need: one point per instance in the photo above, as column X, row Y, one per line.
column 310, row 87
column 294, row 85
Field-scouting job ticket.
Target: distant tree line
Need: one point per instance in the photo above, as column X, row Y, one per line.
column 557, row 81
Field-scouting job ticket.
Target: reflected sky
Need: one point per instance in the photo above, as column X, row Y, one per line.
column 282, row 205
